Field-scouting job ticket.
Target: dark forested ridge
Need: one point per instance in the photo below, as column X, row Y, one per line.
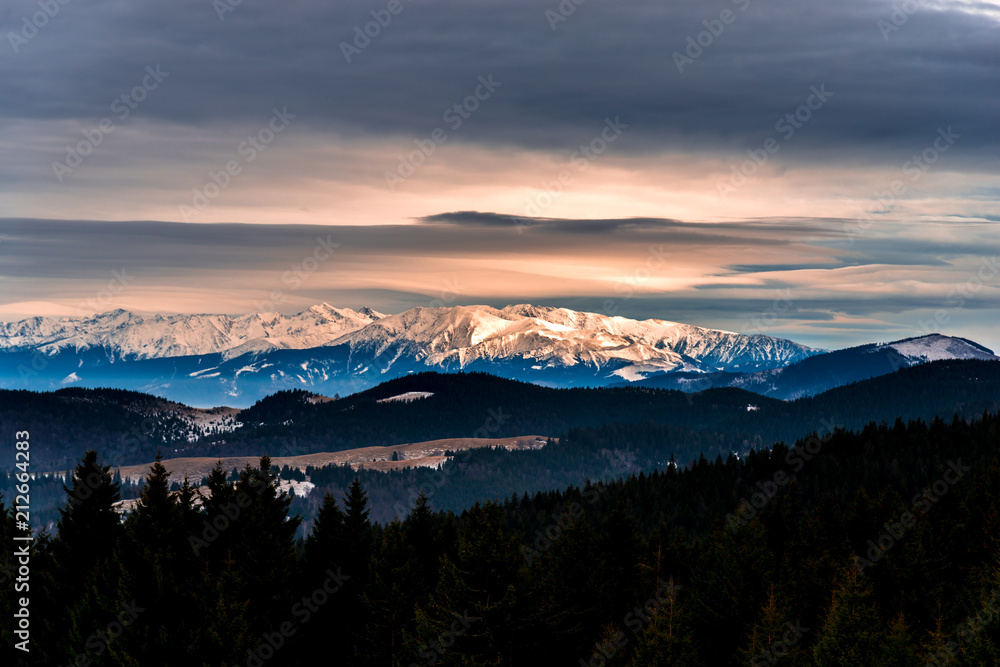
column 877, row 547
column 130, row 427
column 814, row 374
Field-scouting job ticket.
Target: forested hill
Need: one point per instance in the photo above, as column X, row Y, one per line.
column 471, row 404
column 67, row 422
column 130, row 426
column 879, row 548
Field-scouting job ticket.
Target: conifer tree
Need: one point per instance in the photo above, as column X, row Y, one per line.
column 563, row 612
column 226, row 636
column 850, row 633
column 667, row 641
column 88, row 569
column 324, row 549
column 618, row 562
column 323, row 545
column 474, row 604
column 899, row 649
column 768, row 635
column 356, row 551
column 162, row 571
column 389, row 599
column 89, row 527
column 264, row 543
column 423, row 538
column 357, row 527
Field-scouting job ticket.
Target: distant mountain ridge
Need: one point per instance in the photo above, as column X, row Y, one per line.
column 123, row 335
column 832, row 369
column 214, row 359
column 207, row 360
column 130, row 427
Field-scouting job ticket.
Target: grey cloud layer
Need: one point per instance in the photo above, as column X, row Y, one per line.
column 610, row 58
column 606, row 59
column 382, row 267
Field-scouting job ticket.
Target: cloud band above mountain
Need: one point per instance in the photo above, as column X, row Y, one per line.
column 822, row 282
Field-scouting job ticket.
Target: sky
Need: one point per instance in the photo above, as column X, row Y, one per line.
column 826, row 172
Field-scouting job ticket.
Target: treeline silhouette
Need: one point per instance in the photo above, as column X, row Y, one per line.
column 875, row 547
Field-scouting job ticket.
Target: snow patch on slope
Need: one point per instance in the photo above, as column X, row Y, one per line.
column 936, row 347
column 407, row 397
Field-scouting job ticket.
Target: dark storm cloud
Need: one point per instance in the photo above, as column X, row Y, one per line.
column 803, row 308
column 68, row 248
column 477, row 218
column 63, row 248
column 978, row 240
column 607, row 59
column 838, row 263
column 664, row 228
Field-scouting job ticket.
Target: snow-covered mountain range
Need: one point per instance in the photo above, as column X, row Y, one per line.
column 222, row 359
column 440, row 337
column 123, row 335
column 327, row 349
column 553, row 338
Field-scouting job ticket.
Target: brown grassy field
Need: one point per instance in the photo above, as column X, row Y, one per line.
column 375, row 458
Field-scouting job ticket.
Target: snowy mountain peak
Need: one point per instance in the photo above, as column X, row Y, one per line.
column 453, row 337
column 326, row 310
column 373, row 314
column 935, row 347
column 464, row 336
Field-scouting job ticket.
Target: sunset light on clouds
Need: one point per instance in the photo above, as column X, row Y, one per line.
column 840, row 160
